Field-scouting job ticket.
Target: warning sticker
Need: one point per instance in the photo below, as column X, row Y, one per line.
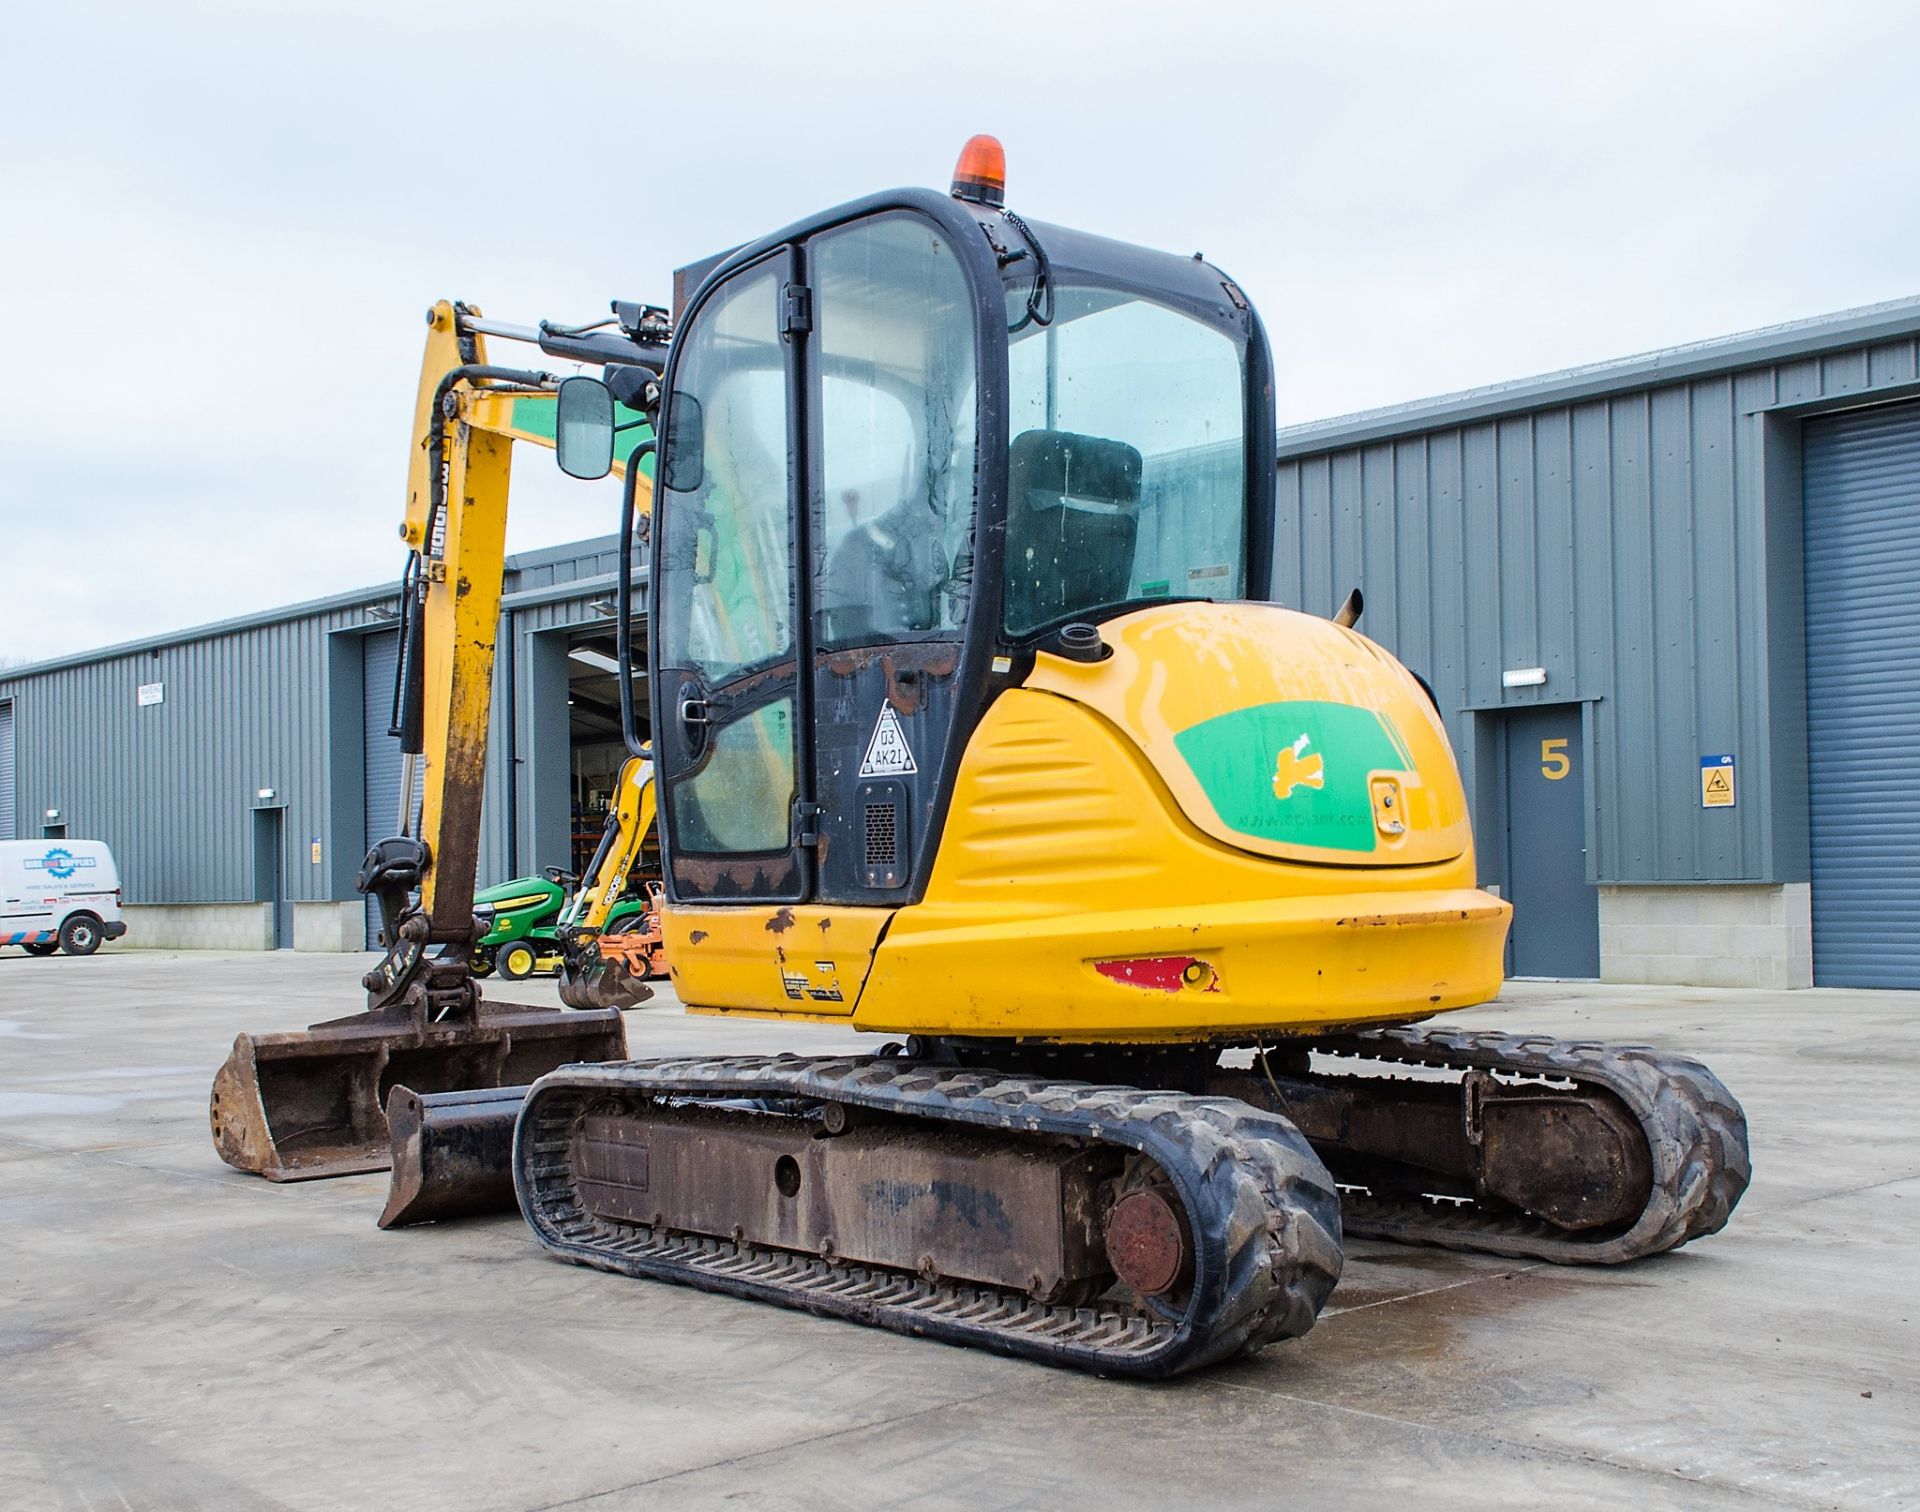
column 888, row 754
column 1716, row 781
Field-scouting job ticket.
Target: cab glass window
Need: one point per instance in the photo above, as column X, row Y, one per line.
column 726, row 593
column 740, row 799
column 894, row 354
column 1127, row 458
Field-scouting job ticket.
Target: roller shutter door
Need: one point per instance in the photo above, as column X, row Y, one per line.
column 380, row 657
column 1862, row 494
column 6, row 771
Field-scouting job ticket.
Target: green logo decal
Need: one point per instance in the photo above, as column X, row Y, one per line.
column 1296, row 771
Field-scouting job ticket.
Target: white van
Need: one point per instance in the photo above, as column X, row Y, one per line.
column 59, row 895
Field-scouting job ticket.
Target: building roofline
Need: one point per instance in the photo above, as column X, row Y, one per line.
column 547, row 555
column 332, row 603
column 307, row 609
column 1860, row 326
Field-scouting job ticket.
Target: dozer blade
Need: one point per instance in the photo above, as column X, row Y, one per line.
column 452, row 1154
column 311, row 1103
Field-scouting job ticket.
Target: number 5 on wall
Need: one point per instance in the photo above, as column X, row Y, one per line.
column 1554, row 761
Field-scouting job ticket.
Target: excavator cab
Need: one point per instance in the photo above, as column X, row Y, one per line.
column 908, row 446
column 922, row 460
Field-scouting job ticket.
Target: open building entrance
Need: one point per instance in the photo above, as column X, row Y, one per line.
column 595, row 748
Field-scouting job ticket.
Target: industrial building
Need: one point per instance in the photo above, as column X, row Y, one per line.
column 1666, row 605
column 240, row 770
column 1669, row 608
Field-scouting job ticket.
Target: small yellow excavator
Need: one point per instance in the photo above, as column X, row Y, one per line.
column 599, row 969
column 973, row 727
column 540, row 913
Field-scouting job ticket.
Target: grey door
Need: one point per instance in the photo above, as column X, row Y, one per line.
column 1556, row 911
column 6, row 770
column 270, row 871
column 380, row 752
column 1862, row 494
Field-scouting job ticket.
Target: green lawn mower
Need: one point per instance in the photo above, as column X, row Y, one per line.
column 524, row 939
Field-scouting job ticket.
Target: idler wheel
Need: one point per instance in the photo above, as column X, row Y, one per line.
column 1147, row 1242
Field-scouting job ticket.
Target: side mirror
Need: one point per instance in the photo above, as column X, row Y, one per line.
column 684, row 465
column 583, row 428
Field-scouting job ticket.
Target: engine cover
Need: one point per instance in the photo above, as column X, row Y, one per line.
column 1279, row 733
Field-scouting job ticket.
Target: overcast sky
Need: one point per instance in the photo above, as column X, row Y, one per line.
column 221, row 225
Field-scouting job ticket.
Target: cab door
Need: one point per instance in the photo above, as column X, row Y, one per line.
column 811, row 597
column 729, row 705
column 892, row 383
column 727, row 699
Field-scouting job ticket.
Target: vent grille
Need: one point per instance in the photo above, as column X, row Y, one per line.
column 883, row 835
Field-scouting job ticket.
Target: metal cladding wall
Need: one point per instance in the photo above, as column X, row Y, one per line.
column 279, row 701
column 383, row 766
column 584, row 565
column 172, row 786
column 1634, row 529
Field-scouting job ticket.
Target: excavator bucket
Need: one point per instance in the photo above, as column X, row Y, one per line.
column 312, row 1103
column 603, row 980
column 452, row 1154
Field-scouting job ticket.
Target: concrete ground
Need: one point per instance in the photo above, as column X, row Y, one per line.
column 173, row 1333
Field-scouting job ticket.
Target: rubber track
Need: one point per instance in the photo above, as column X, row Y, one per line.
column 1262, row 1208
column 1696, row 1136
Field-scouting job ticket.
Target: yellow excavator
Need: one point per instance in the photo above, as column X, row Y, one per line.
column 972, row 726
column 610, row 970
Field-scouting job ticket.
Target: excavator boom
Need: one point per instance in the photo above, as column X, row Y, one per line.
column 294, row 1106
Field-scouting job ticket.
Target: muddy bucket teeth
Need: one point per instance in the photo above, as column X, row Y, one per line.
column 452, row 1154
column 312, row 1103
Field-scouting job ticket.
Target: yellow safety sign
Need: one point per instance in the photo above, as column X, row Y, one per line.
column 1717, row 781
